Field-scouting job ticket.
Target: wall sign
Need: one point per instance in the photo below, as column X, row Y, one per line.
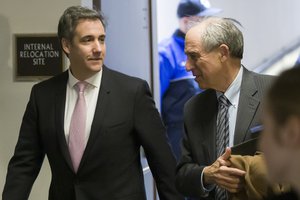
column 37, row 56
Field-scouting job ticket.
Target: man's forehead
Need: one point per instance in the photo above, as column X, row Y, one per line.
column 87, row 20
column 194, row 31
column 192, row 38
column 191, row 47
column 88, row 25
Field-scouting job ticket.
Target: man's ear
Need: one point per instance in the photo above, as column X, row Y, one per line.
column 65, row 45
column 224, row 52
column 291, row 136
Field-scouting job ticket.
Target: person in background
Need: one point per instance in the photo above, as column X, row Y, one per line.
column 90, row 122
column 176, row 84
column 221, row 116
column 280, row 140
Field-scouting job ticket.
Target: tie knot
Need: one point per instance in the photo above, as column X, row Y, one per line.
column 224, row 101
column 80, row 86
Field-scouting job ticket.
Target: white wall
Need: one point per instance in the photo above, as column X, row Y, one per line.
column 30, row 16
column 269, row 25
column 127, row 37
column 167, row 21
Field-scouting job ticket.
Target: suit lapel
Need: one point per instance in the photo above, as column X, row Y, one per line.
column 101, row 108
column 59, row 116
column 207, row 123
column 248, row 103
column 210, row 142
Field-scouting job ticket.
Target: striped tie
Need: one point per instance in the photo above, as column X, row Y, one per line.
column 222, row 137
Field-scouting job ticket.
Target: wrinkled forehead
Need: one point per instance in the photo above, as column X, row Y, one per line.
column 193, row 37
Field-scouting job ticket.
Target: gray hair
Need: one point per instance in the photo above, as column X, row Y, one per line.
column 216, row 31
column 71, row 17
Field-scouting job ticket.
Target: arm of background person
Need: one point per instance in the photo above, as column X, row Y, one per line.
column 165, row 72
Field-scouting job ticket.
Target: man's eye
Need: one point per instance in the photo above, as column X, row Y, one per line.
column 193, row 56
column 87, row 39
column 102, row 39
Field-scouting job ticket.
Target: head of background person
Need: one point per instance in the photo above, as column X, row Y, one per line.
column 191, row 10
column 280, row 140
column 214, row 49
column 81, row 32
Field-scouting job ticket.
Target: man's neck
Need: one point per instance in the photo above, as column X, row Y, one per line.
column 231, row 75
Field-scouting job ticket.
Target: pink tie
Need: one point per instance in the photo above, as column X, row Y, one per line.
column 77, row 127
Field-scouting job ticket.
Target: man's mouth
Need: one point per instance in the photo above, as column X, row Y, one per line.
column 95, row 59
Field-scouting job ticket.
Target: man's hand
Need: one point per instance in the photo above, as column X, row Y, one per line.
column 220, row 173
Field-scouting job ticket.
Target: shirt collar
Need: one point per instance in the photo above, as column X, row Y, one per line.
column 232, row 93
column 94, row 81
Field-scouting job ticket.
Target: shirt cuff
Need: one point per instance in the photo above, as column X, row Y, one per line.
column 208, row 188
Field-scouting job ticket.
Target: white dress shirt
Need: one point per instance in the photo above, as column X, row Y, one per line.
column 91, row 96
column 233, row 95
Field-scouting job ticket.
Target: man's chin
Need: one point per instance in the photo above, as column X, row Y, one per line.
column 201, row 84
column 96, row 67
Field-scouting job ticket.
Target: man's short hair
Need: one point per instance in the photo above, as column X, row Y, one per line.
column 283, row 98
column 217, row 31
column 71, row 17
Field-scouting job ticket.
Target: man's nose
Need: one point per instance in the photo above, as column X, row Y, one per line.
column 97, row 47
column 188, row 65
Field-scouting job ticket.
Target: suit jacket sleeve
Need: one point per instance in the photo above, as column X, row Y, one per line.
column 197, row 144
column 188, row 179
column 152, row 135
column 28, row 157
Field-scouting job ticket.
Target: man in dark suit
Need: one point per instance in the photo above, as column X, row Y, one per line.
column 115, row 116
column 214, row 48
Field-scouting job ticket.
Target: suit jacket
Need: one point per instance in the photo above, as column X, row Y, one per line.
column 198, row 145
column 125, row 119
